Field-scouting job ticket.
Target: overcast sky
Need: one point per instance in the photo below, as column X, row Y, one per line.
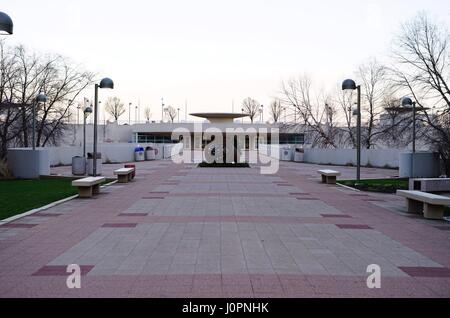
column 211, row 52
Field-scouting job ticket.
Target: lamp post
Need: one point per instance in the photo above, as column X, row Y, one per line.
column 407, row 102
column 78, row 114
column 178, row 115
column 136, row 114
column 350, row 85
column 129, row 113
column 261, row 110
column 162, row 110
column 41, row 98
column 86, row 112
column 6, row 24
column 104, row 83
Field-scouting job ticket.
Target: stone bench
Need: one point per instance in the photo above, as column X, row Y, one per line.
column 124, row 175
column 88, row 186
column 431, row 205
column 430, row 184
column 329, row 176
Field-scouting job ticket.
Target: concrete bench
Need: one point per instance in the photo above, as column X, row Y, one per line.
column 124, row 175
column 430, row 184
column 88, row 186
column 329, row 176
column 431, row 205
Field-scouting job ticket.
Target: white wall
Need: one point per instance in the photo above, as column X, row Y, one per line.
column 374, row 157
column 112, row 153
column 381, row 158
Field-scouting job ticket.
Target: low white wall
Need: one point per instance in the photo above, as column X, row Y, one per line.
column 111, row 153
column 379, row 158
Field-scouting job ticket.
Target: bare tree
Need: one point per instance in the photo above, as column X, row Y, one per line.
column 423, row 71
column 171, row 113
column 115, row 107
column 374, row 88
column 147, row 114
column 317, row 112
column 250, row 107
column 23, row 76
column 275, row 110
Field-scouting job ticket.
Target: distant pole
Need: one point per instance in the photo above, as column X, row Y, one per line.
column 129, row 113
column 178, row 115
column 162, row 109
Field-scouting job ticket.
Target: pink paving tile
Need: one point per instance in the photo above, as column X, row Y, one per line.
column 308, row 199
column 426, row 271
column 354, row 227
column 153, row 198
column 159, row 193
column 18, row 225
column 345, row 216
column 60, row 270
column 442, row 228
column 120, row 225
column 47, row 214
column 299, row 193
column 133, row 214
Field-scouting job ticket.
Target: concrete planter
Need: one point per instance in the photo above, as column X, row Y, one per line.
column 26, row 163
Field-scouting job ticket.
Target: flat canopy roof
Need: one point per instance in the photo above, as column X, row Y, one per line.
column 220, row 115
column 216, row 118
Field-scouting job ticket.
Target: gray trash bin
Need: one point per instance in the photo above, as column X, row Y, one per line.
column 150, row 153
column 90, row 163
column 78, row 166
column 298, row 154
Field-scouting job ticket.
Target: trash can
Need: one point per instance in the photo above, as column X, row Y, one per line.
column 150, row 153
column 90, row 163
column 286, row 154
column 298, row 155
column 78, row 166
column 131, row 166
column 139, row 154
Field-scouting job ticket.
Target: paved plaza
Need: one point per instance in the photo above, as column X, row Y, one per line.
column 183, row 231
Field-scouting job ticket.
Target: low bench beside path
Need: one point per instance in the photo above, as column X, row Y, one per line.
column 87, row 187
column 329, row 176
column 431, row 205
column 124, row 175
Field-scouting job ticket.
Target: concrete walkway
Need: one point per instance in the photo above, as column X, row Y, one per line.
column 182, row 231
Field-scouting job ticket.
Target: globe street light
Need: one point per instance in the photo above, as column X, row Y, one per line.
column 104, row 83
column 6, row 24
column 350, row 85
column 41, row 98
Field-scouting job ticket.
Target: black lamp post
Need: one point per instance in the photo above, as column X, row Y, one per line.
column 41, row 98
column 86, row 112
column 350, row 85
column 104, row 83
column 6, row 24
column 407, row 102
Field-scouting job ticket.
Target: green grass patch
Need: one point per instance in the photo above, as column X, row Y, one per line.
column 18, row 196
column 377, row 185
column 224, row 165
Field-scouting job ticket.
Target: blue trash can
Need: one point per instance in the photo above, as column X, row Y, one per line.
column 139, row 154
